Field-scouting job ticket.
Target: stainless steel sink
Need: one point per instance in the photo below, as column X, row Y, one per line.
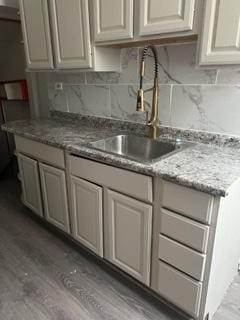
column 140, row 148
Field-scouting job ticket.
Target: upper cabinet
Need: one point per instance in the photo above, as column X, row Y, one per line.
column 220, row 43
column 36, row 32
column 71, row 33
column 65, row 24
column 119, row 21
column 159, row 16
column 113, row 19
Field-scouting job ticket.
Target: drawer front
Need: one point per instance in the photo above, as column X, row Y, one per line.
column 179, row 289
column 130, row 183
column 184, row 230
column 181, row 257
column 194, row 204
column 40, row 151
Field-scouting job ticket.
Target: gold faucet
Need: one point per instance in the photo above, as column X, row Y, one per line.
column 153, row 122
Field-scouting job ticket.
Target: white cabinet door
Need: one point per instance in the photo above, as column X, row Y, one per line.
column 36, row 34
column 159, row 16
column 221, row 33
column 55, row 196
column 87, row 214
column 71, row 33
column 113, row 19
column 128, row 226
column 30, row 184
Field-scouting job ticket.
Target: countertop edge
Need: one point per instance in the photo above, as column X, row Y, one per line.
column 93, row 154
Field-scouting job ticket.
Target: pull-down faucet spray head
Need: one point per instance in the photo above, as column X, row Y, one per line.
column 140, row 95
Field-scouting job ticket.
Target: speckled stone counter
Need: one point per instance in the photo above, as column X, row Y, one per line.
column 205, row 167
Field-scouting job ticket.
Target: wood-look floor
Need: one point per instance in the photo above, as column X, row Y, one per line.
column 43, row 277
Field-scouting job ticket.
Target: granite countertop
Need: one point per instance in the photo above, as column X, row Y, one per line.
column 204, row 167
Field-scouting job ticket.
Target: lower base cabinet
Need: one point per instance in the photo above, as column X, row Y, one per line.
column 53, row 182
column 30, row 184
column 87, row 214
column 128, row 230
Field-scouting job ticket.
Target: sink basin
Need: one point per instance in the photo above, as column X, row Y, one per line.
column 139, row 148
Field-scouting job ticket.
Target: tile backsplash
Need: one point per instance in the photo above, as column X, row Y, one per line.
column 189, row 98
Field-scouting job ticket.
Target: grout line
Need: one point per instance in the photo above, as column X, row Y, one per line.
column 216, row 79
column 110, row 101
column 170, row 105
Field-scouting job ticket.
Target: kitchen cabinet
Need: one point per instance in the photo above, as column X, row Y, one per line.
column 127, row 221
column 128, row 21
column 220, row 35
column 67, row 26
column 129, row 228
column 87, row 214
column 36, row 34
column 171, row 238
column 42, row 172
column 71, row 33
column 113, row 19
column 54, row 192
column 157, row 16
column 30, row 183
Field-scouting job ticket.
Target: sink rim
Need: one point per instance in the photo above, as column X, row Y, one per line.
column 180, row 145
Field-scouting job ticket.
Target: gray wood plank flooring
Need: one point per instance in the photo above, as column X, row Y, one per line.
column 43, row 277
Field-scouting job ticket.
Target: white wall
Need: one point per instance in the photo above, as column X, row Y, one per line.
column 191, row 98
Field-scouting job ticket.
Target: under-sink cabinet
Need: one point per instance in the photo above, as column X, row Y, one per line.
column 182, row 243
column 87, row 214
column 105, row 205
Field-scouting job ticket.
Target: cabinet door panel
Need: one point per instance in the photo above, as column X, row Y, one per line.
column 55, row 196
column 221, row 33
column 87, row 214
column 180, row 289
column 71, row 33
column 36, row 33
column 113, row 19
column 157, row 16
column 129, row 225
column 30, row 184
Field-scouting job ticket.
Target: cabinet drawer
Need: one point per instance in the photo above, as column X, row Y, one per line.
column 181, row 257
column 130, row 183
column 184, row 230
column 179, row 289
column 40, row 151
column 195, row 204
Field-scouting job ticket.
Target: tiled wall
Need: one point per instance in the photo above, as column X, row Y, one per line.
column 190, row 97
